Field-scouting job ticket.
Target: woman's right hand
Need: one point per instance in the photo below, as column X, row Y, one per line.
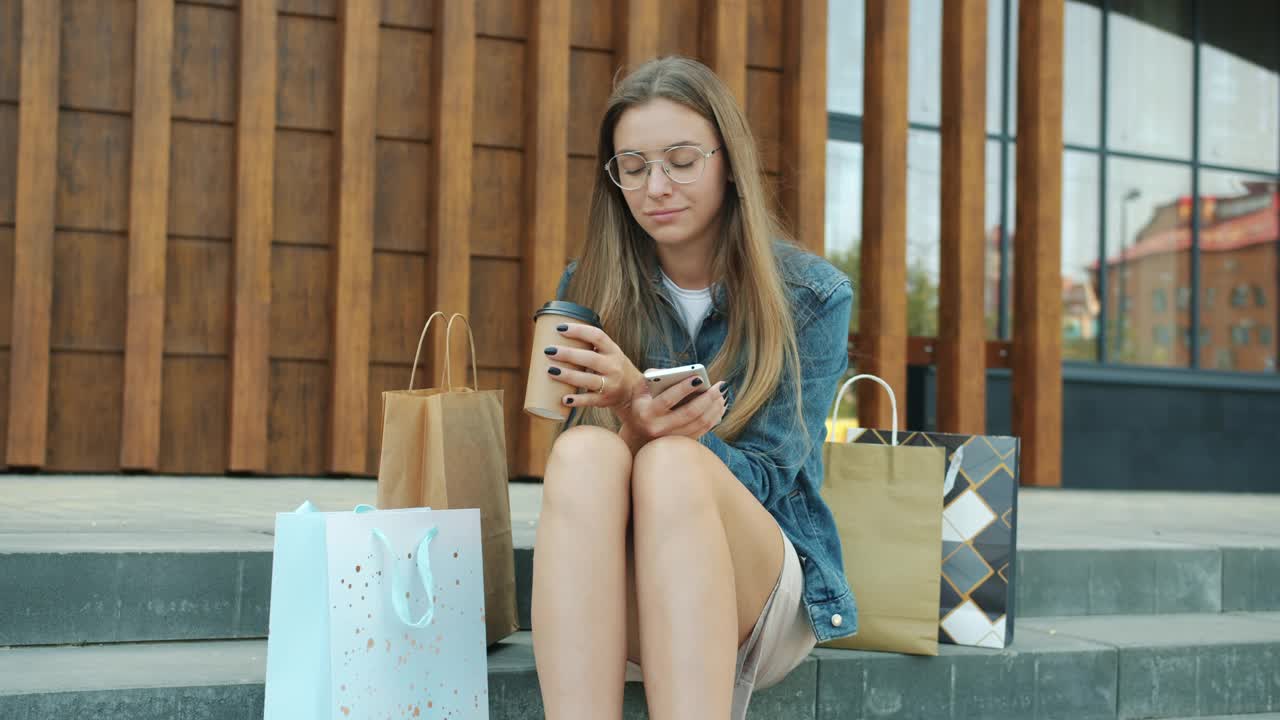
column 651, row 417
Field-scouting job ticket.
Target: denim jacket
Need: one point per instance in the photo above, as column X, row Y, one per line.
column 772, row 457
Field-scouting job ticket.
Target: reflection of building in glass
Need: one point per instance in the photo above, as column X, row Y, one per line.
column 1147, row 284
column 1080, row 309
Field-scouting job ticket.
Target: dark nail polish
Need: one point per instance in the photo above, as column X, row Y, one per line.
column 550, row 351
column 568, row 401
column 554, row 370
column 561, row 328
column 724, row 388
column 697, row 382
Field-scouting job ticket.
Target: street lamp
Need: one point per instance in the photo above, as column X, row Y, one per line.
column 1130, row 196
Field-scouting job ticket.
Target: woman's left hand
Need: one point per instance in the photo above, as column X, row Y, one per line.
column 605, row 375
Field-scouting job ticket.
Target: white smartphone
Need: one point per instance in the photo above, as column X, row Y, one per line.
column 661, row 379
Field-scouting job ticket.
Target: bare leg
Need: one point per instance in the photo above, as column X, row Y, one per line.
column 707, row 555
column 579, row 576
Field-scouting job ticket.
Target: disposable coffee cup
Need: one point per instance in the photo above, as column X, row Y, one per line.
column 543, row 394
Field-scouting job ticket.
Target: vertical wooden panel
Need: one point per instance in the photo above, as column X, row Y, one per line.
column 202, row 187
column 33, row 241
column 4, row 402
column 804, row 119
column 90, row 292
column 10, row 45
column 1037, row 335
column 591, row 25
column 308, row 63
column 353, row 245
column 499, row 98
column 883, row 319
column 8, row 160
column 303, row 169
column 94, row 152
column 193, row 434
column 498, row 222
column 637, row 24
column 962, row 372
column 296, row 420
column 400, row 213
column 204, row 62
column 679, row 27
column 453, row 72
column 255, row 184
column 546, row 185
column 6, row 294
column 96, row 68
column 85, row 410
column 724, row 42
column 148, row 223
column 197, row 305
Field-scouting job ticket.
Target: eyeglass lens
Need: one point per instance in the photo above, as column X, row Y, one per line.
column 683, row 164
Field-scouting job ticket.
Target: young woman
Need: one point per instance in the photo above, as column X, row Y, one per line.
column 688, row 543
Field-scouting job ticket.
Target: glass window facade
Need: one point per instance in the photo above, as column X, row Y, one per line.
column 1171, row 176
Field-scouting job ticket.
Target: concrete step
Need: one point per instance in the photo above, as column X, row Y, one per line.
column 1170, row 666
column 103, row 559
column 65, row 588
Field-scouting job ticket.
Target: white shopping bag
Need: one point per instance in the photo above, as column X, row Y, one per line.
column 377, row 613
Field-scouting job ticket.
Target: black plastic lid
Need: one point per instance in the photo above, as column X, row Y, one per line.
column 569, row 309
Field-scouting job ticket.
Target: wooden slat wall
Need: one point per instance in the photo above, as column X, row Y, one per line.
column 251, row 281
column 352, row 258
column 334, row 171
column 33, row 236
column 883, row 322
column 1037, row 275
column 724, row 33
column 547, row 155
column 453, row 98
column 804, row 120
column 148, row 223
column 962, row 385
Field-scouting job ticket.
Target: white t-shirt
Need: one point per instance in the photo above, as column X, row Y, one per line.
column 693, row 304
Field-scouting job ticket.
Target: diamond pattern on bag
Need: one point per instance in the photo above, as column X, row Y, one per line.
column 966, row 569
column 964, row 518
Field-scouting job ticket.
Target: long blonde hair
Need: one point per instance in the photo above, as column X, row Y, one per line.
column 614, row 276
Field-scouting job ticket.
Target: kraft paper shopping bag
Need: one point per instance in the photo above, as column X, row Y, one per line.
column 444, row 448
column 887, row 503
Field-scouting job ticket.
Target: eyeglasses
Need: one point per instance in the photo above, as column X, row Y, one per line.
column 683, row 164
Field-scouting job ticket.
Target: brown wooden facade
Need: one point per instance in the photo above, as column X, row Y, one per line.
column 222, row 223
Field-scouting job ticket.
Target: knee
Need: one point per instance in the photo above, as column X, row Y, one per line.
column 588, row 472
column 666, row 477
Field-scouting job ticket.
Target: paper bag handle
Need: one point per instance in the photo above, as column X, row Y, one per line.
column 448, row 365
column 422, row 337
column 893, row 402
column 399, row 596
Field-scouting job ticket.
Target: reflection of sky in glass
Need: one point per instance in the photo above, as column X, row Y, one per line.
column 844, row 195
column 1239, row 102
column 1227, row 184
column 1149, row 89
column 1081, row 99
column 844, row 56
column 1079, row 214
column 924, row 156
column 924, row 93
column 995, row 56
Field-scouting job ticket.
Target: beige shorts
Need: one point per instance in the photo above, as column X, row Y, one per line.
column 781, row 639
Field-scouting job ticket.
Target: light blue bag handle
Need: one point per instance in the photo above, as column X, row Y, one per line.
column 399, row 597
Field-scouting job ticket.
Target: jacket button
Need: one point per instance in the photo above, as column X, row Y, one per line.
column 836, row 620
